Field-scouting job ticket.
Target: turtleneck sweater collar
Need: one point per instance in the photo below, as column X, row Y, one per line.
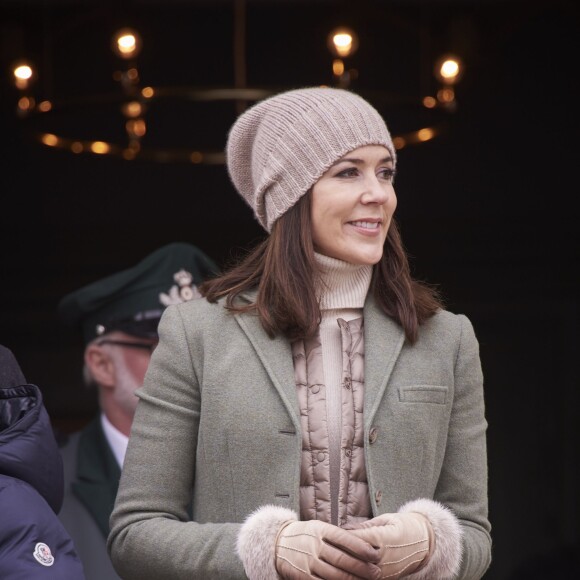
column 342, row 285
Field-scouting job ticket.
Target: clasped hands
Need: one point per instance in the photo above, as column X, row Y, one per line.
column 390, row 546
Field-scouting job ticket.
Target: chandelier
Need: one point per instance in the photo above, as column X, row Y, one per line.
column 136, row 100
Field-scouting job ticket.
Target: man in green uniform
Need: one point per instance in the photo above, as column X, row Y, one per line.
column 118, row 316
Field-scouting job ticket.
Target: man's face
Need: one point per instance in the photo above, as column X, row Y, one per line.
column 130, row 361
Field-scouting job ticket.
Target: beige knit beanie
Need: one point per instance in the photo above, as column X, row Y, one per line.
column 279, row 148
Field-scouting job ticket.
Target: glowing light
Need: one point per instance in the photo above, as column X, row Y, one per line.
column 196, row 157
column 133, row 74
column 23, row 72
column 76, row 147
column 49, row 139
column 25, row 103
column 448, row 69
column 127, row 43
column 342, row 42
column 45, row 106
column 337, row 67
column 425, row 134
column 446, row 95
column 148, row 92
column 430, row 102
column 136, row 127
column 100, row 147
column 132, row 109
column 399, row 142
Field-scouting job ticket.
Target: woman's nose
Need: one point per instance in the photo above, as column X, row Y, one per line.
column 376, row 191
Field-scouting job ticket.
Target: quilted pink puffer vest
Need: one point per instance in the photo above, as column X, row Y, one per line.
column 353, row 494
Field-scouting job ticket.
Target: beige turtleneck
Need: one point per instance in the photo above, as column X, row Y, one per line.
column 342, row 291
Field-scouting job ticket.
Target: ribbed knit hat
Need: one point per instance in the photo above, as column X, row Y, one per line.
column 279, row 148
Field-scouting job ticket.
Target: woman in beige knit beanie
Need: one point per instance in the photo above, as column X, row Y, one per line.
column 318, row 414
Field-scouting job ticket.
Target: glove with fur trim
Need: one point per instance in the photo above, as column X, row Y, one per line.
column 320, row 550
column 273, row 543
column 423, row 541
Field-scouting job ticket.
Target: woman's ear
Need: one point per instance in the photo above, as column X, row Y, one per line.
column 100, row 365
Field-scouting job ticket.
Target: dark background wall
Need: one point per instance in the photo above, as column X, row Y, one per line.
column 487, row 210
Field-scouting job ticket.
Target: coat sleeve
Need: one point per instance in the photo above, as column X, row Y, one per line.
column 151, row 533
column 462, row 485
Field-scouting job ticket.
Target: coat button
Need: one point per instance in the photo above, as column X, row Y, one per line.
column 373, row 434
column 315, row 389
column 348, row 452
column 320, row 456
column 378, row 497
column 347, row 383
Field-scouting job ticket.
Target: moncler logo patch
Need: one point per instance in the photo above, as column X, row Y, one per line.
column 184, row 291
column 43, row 555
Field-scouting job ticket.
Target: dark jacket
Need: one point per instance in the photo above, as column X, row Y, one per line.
column 91, row 478
column 33, row 542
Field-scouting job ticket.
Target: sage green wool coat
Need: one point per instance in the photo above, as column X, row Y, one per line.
column 217, row 431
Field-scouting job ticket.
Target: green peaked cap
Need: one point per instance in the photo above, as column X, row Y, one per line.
column 133, row 300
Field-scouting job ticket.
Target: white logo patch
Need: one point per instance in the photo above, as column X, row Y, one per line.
column 184, row 291
column 43, row 555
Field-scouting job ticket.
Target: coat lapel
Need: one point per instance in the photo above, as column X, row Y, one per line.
column 97, row 475
column 275, row 354
column 384, row 339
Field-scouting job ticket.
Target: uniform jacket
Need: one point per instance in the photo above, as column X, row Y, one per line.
column 91, row 481
column 33, row 543
column 218, row 424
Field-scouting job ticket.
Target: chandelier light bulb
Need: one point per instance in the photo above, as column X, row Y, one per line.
column 100, row 147
column 342, row 42
column 23, row 74
column 135, row 100
column 50, row 140
column 337, row 67
column 127, row 43
column 448, row 69
column 429, row 102
column 425, row 134
column 132, row 109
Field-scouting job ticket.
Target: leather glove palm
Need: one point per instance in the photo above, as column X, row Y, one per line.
column 316, row 549
column 405, row 542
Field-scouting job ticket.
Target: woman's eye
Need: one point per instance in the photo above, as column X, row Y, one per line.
column 350, row 172
column 387, row 173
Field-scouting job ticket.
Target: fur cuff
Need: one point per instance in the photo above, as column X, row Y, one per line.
column 446, row 557
column 257, row 538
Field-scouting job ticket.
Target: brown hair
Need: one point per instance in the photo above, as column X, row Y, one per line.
column 283, row 269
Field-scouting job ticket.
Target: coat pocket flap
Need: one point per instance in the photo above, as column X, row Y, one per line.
column 423, row 394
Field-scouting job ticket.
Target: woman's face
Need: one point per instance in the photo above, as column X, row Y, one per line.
column 353, row 204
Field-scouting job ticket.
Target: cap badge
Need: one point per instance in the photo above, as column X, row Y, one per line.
column 43, row 555
column 183, row 291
